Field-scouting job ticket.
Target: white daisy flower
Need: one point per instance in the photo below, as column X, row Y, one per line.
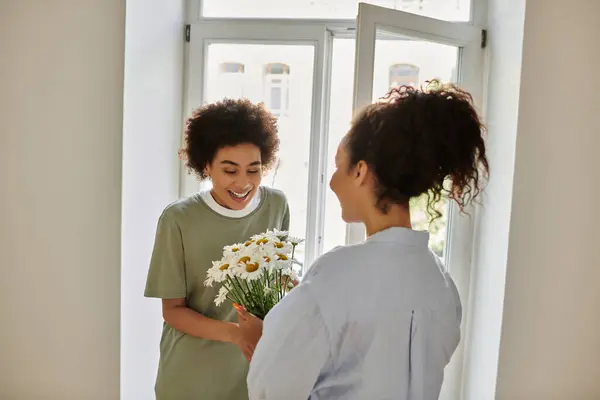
column 249, row 244
column 222, row 296
column 218, row 272
column 268, row 253
column 280, row 234
column 252, row 269
column 284, row 265
column 295, row 241
column 208, row 281
column 243, row 256
column 283, row 256
column 231, row 251
column 262, row 236
column 283, row 247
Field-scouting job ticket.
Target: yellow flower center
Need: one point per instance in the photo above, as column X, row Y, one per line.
column 251, row 267
column 262, row 241
column 267, row 259
column 282, row 256
column 244, row 259
column 224, row 267
column 279, row 245
column 235, row 249
column 248, row 243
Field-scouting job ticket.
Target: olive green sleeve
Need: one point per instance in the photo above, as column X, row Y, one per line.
column 285, row 224
column 166, row 276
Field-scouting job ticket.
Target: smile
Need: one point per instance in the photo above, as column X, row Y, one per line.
column 239, row 196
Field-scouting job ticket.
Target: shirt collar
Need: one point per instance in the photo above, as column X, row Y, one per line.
column 400, row 235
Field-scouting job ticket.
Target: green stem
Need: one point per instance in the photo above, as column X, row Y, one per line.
column 238, row 289
column 252, row 300
column 260, row 295
column 280, row 285
column 231, row 295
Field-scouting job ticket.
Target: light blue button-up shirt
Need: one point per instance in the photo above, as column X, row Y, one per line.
column 378, row 320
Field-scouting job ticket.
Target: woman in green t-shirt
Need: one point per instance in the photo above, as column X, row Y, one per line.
column 203, row 354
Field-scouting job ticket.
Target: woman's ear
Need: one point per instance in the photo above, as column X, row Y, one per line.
column 361, row 172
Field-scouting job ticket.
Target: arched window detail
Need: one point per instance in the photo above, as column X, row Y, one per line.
column 403, row 75
column 231, row 79
column 231, row 68
column 277, row 88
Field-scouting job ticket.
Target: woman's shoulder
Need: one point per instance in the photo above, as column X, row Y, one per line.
column 329, row 263
column 273, row 195
column 179, row 208
column 274, row 198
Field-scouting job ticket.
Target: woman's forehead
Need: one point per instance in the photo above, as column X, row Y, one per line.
column 240, row 154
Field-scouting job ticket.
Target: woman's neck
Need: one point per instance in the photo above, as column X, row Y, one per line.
column 397, row 216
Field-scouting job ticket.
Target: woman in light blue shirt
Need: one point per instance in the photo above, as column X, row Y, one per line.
column 381, row 319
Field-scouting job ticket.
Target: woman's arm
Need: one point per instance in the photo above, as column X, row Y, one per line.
column 292, row 351
column 179, row 316
column 167, row 281
column 184, row 319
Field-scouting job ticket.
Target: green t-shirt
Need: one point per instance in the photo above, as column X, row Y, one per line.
column 190, row 235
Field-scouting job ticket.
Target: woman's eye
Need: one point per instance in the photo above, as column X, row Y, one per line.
column 253, row 171
column 230, row 172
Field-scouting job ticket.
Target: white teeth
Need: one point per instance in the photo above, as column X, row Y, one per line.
column 239, row 195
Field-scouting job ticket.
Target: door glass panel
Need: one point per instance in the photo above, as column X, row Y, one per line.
column 398, row 61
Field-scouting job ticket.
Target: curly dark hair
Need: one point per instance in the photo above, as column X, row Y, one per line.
column 228, row 123
column 422, row 141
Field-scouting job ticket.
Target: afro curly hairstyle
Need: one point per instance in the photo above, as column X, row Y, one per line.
column 421, row 141
column 229, row 122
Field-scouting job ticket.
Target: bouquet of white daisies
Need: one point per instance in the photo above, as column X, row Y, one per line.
column 256, row 274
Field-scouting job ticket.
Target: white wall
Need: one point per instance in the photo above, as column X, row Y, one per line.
column 539, row 228
column 61, row 105
column 503, row 57
column 550, row 343
column 151, row 129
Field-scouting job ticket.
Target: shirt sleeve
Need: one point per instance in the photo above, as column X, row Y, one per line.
column 285, row 224
column 292, row 352
column 166, row 275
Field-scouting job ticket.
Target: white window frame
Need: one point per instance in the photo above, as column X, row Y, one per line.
column 320, row 33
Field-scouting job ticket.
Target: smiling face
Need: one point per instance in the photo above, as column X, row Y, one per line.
column 236, row 172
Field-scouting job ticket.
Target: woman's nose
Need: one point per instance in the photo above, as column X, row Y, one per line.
column 242, row 182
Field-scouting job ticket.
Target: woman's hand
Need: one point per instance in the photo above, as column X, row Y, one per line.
column 239, row 340
column 250, row 331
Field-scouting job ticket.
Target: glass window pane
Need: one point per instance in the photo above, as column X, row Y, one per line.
column 290, row 174
column 394, row 58
column 449, row 10
column 275, row 98
column 340, row 113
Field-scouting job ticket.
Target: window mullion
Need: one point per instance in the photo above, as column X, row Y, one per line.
column 318, row 150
